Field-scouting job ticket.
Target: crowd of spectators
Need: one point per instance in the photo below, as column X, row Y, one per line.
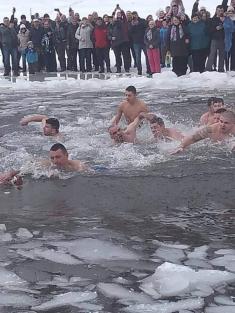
column 203, row 41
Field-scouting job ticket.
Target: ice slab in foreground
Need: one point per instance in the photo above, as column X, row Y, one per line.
column 170, row 254
column 9, row 278
column 69, row 298
column 16, row 300
column 24, row 233
column 167, row 307
column 96, row 250
column 220, row 309
column 174, row 280
column 228, row 261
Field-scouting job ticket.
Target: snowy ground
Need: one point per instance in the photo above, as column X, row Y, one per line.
column 86, row 7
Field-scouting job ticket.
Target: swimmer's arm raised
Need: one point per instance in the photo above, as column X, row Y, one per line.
column 198, row 136
column 32, row 118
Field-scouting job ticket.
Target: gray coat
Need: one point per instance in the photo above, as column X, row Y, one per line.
column 84, row 35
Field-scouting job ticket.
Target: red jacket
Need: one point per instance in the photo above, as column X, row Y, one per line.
column 101, row 37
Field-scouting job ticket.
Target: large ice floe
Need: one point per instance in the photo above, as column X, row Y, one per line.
column 171, row 280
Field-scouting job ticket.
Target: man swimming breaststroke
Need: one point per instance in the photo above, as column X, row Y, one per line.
column 130, row 108
column 59, row 158
column 50, row 125
column 159, row 130
column 220, row 131
column 11, row 178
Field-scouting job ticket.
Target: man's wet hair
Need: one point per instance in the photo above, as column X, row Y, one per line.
column 211, row 101
column 55, row 124
column 219, row 100
column 157, row 120
column 59, row 146
column 221, row 110
column 131, row 89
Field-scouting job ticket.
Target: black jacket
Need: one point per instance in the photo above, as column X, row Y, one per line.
column 137, row 31
column 36, row 35
column 214, row 33
column 155, row 38
column 8, row 37
column 178, row 47
column 72, row 42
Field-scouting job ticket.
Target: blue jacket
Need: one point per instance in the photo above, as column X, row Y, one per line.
column 31, row 55
column 229, row 28
column 199, row 38
column 163, row 36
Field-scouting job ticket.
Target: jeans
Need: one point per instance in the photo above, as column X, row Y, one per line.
column 216, row 45
column 85, row 57
column 138, row 47
column 23, row 55
column 13, row 53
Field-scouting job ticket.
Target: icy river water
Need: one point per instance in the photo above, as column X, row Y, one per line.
column 147, row 232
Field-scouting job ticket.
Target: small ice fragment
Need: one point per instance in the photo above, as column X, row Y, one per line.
column 170, row 254
column 169, row 245
column 121, row 280
column 24, row 233
column 69, row 298
column 5, row 237
column 224, row 300
column 198, row 253
column 3, row 228
column 9, row 278
column 225, row 251
column 115, row 291
column 56, row 256
column 170, row 307
column 87, row 307
column 198, row 263
column 220, row 309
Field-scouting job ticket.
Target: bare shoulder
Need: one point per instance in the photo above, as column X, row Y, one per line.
column 77, row 165
column 143, row 105
column 203, row 133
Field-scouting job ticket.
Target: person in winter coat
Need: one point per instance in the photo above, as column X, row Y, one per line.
column 163, row 42
column 35, row 35
column 48, row 47
column 60, row 42
column 102, row 45
column 137, row 33
column 118, row 35
column 31, row 57
column 178, row 44
column 199, row 43
column 9, row 41
column 23, row 38
column 229, row 39
column 216, row 30
column 152, row 42
column 72, row 45
column 84, row 35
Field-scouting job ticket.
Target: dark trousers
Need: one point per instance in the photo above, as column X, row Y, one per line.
column 41, row 62
column 122, row 51
column 85, row 59
column 133, row 54
column 50, row 61
column 103, row 56
column 95, row 60
column 72, row 59
column 60, row 50
column 199, row 60
column 179, row 64
column 7, row 54
column 33, row 67
column 138, row 50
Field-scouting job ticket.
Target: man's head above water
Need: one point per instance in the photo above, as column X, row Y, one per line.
column 59, row 155
column 130, row 94
column 157, row 125
column 51, row 127
column 227, row 122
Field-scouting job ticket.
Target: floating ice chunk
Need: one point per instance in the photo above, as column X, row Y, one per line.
column 5, row 237
column 9, row 278
column 198, row 253
column 115, row 291
column 198, row 263
column 169, row 245
column 16, row 300
column 172, row 280
column 87, row 307
column 3, row 228
column 225, row 251
column 121, row 280
column 228, row 261
column 69, row 298
column 97, row 250
column 170, row 307
column 220, row 309
column 56, row 256
column 225, row 300
column 202, row 290
column 170, row 254
column 24, row 233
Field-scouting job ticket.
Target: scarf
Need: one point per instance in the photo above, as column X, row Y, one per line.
column 149, row 35
column 174, row 32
